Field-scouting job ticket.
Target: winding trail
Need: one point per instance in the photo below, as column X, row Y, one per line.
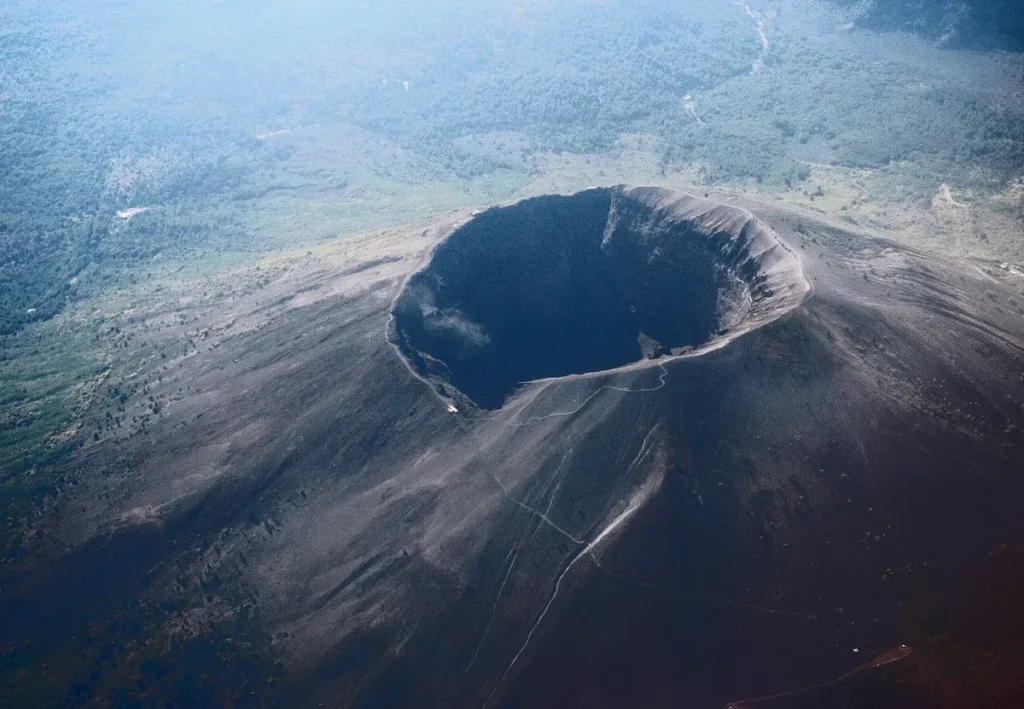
column 587, row 551
column 573, row 412
column 557, row 477
column 762, row 59
column 513, row 553
column 536, row 624
column 543, row 517
column 896, row 654
column 449, row 406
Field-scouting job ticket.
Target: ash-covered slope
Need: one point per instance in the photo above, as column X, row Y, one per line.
column 680, row 530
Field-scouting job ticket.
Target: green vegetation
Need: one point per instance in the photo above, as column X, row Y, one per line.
column 173, row 109
column 47, row 373
column 971, row 24
column 827, row 106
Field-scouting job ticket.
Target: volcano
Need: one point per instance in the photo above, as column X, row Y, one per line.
column 627, row 447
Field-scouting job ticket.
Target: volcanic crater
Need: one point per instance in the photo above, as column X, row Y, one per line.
column 591, row 282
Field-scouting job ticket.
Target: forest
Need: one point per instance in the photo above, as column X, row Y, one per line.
column 964, row 24
column 104, row 114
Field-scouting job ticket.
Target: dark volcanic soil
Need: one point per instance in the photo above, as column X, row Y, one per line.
column 742, row 520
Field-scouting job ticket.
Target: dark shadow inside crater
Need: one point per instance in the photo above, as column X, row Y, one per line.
column 561, row 285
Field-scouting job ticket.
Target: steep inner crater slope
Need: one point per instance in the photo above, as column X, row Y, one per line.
column 602, row 279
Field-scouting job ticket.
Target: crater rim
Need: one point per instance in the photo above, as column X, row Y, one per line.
column 778, row 284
